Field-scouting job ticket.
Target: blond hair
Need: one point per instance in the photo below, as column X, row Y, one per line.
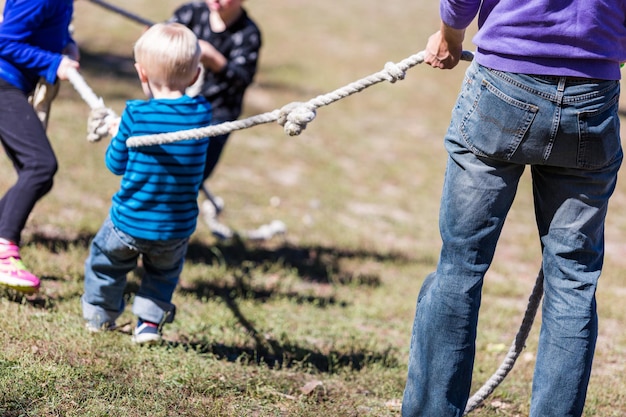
column 169, row 54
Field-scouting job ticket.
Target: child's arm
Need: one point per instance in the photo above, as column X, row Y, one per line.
column 20, row 24
column 211, row 58
column 241, row 63
column 64, row 66
column 116, row 156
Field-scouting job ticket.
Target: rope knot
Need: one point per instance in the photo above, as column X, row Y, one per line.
column 295, row 116
column 99, row 123
column 393, row 72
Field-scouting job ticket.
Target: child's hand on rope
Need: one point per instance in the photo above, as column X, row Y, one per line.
column 102, row 121
column 66, row 64
column 114, row 124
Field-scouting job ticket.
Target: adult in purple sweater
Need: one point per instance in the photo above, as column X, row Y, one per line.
column 542, row 92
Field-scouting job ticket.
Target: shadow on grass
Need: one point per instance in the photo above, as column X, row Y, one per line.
column 318, row 264
column 272, row 353
column 288, row 355
column 241, row 289
column 59, row 241
column 283, row 355
column 18, row 297
column 314, row 264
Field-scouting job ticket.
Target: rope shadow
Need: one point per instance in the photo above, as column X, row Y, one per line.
column 289, row 355
column 270, row 352
column 241, row 289
column 316, row 263
column 277, row 355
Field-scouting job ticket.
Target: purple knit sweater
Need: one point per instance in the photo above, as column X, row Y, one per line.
column 582, row 38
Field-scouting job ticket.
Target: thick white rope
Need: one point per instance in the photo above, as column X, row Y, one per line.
column 86, row 93
column 101, row 118
column 294, row 116
column 514, row 351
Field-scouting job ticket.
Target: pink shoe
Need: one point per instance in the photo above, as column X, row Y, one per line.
column 14, row 275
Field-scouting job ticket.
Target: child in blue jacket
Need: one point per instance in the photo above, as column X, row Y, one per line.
column 34, row 43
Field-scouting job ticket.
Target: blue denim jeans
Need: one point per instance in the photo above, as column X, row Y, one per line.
column 113, row 254
column 567, row 131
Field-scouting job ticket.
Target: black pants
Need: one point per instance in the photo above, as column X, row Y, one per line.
column 27, row 146
column 216, row 146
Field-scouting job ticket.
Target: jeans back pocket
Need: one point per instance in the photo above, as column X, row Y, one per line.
column 495, row 123
column 599, row 142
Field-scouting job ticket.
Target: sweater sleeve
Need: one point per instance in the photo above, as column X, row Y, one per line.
column 458, row 14
column 242, row 60
column 21, row 23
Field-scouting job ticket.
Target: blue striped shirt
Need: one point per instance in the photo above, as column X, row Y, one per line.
column 158, row 194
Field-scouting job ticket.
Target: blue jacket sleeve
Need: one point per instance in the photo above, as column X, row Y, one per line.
column 33, row 35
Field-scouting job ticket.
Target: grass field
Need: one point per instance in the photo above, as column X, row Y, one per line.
column 313, row 323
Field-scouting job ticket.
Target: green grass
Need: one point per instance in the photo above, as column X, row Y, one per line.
column 315, row 323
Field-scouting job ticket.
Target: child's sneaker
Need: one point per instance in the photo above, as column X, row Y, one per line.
column 13, row 273
column 146, row 333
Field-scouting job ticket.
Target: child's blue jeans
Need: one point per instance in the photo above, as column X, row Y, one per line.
column 567, row 131
column 113, row 254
